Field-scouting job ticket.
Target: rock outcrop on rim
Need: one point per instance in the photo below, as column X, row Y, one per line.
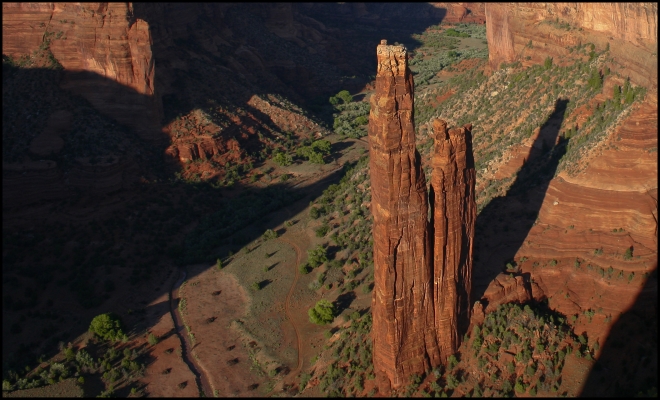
column 421, row 270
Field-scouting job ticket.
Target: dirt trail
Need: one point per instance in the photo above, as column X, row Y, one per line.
column 286, row 308
column 288, row 298
column 203, row 384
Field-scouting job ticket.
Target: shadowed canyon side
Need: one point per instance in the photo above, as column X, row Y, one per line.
column 404, row 338
column 454, row 213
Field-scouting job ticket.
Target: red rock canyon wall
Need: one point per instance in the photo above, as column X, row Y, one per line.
column 102, row 38
column 631, row 29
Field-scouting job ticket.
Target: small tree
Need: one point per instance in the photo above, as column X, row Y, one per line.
column 107, row 326
column 270, row 234
column 153, row 339
column 322, row 313
column 317, row 256
column 451, row 362
column 345, row 96
column 547, row 64
column 628, row 255
column 595, row 80
column 218, row 263
column 282, row 159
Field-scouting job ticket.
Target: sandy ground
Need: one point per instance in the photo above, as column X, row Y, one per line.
column 214, row 299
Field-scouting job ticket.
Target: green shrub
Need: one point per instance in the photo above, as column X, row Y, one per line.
column 270, row 234
column 153, row 339
column 628, row 255
column 304, row 268
column 322, row 230
column 282, row 159
column 322, row 313
column 547, row 64
column 451, row 32
column 107, row 326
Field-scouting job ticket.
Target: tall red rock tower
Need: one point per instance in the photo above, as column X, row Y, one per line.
column 422, row 270
column 402, row 306
column 454, row 214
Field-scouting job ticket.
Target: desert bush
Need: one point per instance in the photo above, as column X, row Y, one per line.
column 304, row 378
column 304, row 268
column 106, row 326
column 628, row 255
column 270, row 234
column 282, row 159
column 322, row 313
column 152, row 339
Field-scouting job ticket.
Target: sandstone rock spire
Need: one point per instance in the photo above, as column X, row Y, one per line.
column 454, row 213
column 402, row 306
column 422, row 270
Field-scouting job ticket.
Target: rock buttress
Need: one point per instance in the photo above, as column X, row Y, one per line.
column 454, row 214
column 403, row 317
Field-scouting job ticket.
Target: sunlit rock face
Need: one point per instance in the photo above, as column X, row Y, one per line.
column 404, row 336
column 454, row 214
column 422, row 270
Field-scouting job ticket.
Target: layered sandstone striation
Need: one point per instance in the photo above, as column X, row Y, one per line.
column 538, row 30
column 422, row 271
column 453, row 214
column 403, row 315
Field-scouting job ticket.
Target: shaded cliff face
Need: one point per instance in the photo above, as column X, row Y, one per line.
column 101, row 38
column 454, row 214
column 631, row 30
column 402, row 306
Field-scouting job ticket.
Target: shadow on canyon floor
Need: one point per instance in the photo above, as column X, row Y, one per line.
column 505, row 222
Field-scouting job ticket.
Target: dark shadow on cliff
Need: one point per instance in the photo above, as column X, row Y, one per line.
column 505, row 222
column 627, row 365
column 225, row 54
